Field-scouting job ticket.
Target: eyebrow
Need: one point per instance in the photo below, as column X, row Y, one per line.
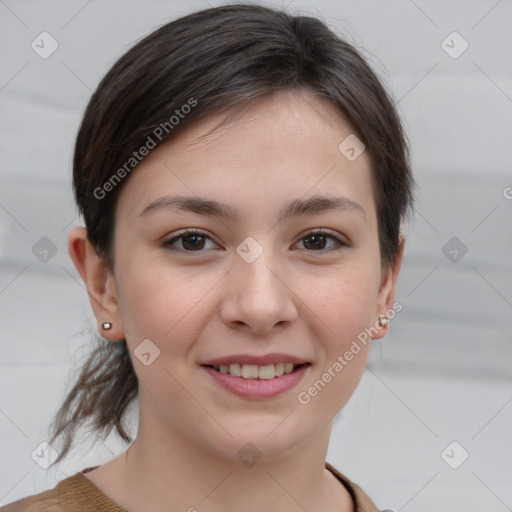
column 209, row 207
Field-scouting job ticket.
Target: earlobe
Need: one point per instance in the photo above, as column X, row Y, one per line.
column 386, row 295
column 97, row 280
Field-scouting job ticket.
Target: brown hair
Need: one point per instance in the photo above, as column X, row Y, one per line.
column 212, row 61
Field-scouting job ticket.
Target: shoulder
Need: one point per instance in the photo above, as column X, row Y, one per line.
column 72, row 494
column 362, row 501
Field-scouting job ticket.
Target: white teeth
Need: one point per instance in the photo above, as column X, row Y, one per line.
column 235, row 370
column 249, row 371
column 253, row 371
column 267, row 372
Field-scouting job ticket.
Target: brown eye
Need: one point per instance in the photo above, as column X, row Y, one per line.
column 317, row 240
column 195, row 241
column 191, row 241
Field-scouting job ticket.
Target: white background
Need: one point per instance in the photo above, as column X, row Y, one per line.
column 443, row 373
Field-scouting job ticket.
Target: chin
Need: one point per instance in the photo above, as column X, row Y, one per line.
column 262, row 435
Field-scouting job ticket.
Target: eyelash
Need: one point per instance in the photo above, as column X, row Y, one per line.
column 188, row 232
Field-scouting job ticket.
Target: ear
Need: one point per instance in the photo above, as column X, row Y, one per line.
column 99, row 282
column 386, row 295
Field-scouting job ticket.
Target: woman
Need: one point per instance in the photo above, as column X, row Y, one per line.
column 243, row 176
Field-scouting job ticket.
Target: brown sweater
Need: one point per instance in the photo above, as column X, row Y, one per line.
column 78, row 494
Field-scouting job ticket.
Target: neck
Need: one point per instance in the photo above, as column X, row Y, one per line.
column 161, row 469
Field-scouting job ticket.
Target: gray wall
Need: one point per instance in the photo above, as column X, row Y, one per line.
column 443, row 373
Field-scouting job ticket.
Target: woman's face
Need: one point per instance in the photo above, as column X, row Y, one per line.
column 253, row 284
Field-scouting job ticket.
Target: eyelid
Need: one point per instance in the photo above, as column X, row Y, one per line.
column 340, row 240
column 183, row 233
column 325, row 231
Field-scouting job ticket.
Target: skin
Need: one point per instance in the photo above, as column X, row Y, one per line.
column 297, row 297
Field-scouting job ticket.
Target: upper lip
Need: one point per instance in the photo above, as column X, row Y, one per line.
column 261, row 360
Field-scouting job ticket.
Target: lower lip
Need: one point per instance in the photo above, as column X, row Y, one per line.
column 257, row 388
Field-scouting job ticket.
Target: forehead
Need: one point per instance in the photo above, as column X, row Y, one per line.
column 291, row 116
column 280, row 147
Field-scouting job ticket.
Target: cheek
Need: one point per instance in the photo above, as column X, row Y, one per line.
column 343, row 300
column 161, row 303
column 344, row 315
column 344, row 305
column 156, row 305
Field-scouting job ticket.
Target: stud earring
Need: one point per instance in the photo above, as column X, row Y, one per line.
column 106, row 326
column 383, row 320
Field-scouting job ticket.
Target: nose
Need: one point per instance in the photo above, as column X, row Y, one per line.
column 258, row 297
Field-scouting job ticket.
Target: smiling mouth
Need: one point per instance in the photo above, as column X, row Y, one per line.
column 253, row 371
